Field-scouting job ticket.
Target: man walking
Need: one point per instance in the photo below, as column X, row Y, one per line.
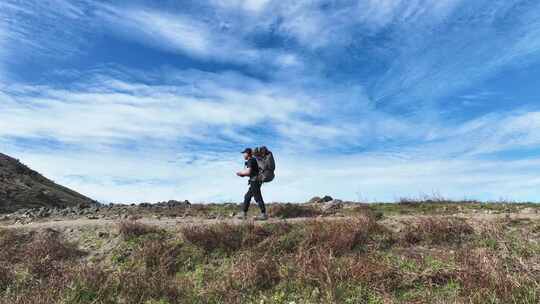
column 252, row 171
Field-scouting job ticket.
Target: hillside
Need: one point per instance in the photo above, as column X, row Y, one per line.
column 22, row 187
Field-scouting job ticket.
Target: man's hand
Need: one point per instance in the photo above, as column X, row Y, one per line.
column 243, row 173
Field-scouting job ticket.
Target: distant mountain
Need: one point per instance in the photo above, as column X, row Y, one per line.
column 22, row 187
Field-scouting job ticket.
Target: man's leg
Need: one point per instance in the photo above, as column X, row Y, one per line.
column 258, row 196
column 247, row 198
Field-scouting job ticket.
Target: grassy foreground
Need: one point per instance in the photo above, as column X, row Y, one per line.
column 373, row 254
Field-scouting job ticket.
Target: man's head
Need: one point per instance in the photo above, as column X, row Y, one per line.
column 247, row 153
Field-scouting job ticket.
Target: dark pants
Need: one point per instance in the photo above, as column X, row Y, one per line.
column 254, row 191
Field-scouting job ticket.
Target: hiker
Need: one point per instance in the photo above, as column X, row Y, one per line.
column 252, row 171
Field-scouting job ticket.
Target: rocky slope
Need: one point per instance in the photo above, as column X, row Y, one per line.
column 22, row 187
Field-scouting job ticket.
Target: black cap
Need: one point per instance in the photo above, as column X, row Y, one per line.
column 247, row 150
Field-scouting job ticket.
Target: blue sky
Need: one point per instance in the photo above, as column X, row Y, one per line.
column 132, row 101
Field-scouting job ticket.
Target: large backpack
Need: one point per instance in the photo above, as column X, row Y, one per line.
column 266, row 163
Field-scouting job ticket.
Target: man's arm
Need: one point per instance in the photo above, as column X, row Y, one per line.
column 245, row 172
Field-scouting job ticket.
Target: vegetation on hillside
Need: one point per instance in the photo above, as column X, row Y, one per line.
column 363, row 257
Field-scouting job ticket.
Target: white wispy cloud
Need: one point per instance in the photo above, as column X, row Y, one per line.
column 166, row 30
column 195, row 106
column 110, row 110
column 320, row 24
column 497, row 132
column 427, row 46
column 516, row 130
column 199, row 38
column 378, row 14
column 434, row 60
column 44, row 29
column 252, row 6
column 3, row 53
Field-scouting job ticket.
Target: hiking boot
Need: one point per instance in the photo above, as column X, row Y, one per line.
column 242, row 216
column 262, row 217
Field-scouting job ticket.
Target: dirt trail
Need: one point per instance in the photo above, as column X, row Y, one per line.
column 164, row 223
column 172, row 223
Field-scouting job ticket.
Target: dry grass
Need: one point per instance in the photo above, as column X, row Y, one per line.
column 374, row 272
column 317, row 267
column 348, row 260
column 252, row 271
column 7, row 275
column 320, row 268
column 484, row 274
column 46, row 252
column 169, row 257
column 139, row 286
column 132, row 229
column 227, row 237
column 437, row 231
column 340, row 237
column 12, row 243
column 91, row 281
column 39, row 290
column 293, row 211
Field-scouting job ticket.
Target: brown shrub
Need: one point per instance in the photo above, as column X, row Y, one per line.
column 39, row 291
column 481, row 270
column 132, row 229
column 437, row 231
column 493, row 229
column 361, row 209
column 320, row 268
column 495, row 275
column 12, row 243
column 91, row 283
column 161, row 255
column 226, row 237
column 293, row 210
column 198, row 210
column 45, row 253
column 251, row 271
column 92, row 276
column 373, row 272
column 341, row 236
column 338, row 236
column 7, row 275
column 74, row 284
column 139, row 285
